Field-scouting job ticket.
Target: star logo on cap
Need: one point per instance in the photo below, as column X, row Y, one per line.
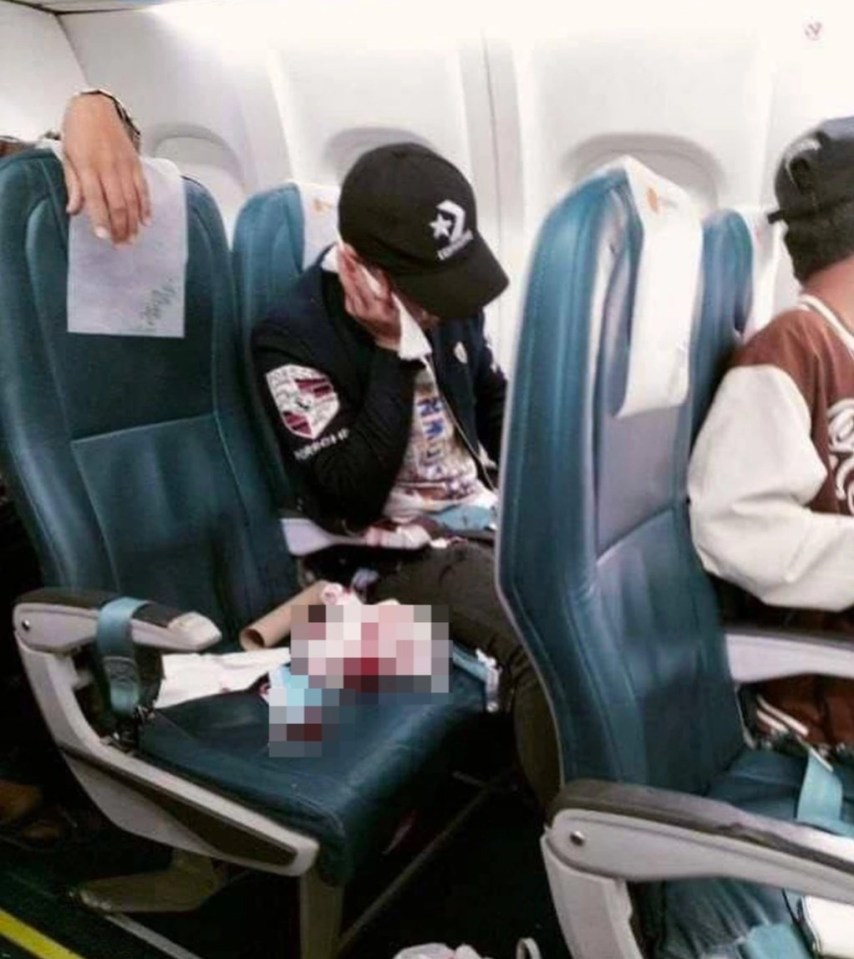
column 450, row 225
column 441, row 227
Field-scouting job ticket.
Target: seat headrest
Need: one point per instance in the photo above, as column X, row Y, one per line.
column 320, row 218
column 665, row 296
column 766, row 240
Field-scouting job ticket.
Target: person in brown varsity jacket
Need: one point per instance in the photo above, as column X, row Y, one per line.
column 771, row 479
column 104, row 178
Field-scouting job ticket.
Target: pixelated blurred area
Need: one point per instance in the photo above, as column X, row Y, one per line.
column 346, row 654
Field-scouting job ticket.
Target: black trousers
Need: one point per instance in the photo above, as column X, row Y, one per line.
column 461, row 577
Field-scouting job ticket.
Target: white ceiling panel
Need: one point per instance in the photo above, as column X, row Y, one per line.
column 86, row 6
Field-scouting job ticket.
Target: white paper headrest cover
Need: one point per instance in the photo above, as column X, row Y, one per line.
column 665, row 293
column 320, row 218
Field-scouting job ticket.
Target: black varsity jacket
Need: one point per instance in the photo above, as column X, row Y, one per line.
column 342, row 407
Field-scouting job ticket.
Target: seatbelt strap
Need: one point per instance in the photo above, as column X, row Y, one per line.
column 781, row 941
column 117, row 655
column 820, row 805
column 821, row 798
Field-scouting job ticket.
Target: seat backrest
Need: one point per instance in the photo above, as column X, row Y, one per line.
column 595, row 561
column 725, row 308
column 740, row 258
column 278, row 234
column 133, row 459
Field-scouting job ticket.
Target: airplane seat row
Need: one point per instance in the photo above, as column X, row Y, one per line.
column 135, row 463
column 140, row 473
column 667, row 814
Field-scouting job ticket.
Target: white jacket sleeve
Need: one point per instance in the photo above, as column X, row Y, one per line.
column 753, row 473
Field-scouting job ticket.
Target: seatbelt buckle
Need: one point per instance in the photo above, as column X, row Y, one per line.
column 786, row 730
column 483, row 668
column 791, row 744
column 492, row 681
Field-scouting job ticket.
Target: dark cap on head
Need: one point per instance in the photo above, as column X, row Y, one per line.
column 816, row 172
column 410, row 212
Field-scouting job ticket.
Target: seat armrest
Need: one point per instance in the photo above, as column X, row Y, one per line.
column 757, row 654
column 62, row 620
column 642, row 834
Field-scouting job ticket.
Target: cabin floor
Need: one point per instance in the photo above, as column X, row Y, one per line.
column 487, row 887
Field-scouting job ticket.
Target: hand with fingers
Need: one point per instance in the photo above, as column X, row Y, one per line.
column 103, row 174
column 369, row 300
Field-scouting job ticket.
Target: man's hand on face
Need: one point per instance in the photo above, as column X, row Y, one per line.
column 374, row 309
column 103, row 174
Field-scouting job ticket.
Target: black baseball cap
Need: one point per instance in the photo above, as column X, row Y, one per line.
column 816, row 173
column 410, row 212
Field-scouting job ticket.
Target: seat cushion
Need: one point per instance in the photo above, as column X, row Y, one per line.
column 705, row 919
column 351, row 798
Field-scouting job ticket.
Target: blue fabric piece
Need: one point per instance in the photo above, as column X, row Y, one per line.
column 466, row 517
column 117, row 654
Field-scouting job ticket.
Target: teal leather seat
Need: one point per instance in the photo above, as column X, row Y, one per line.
column 725, row 306
column 597, row 566
column 135, row 464
column 375, row 770
column 268, row 255
column 269, row 250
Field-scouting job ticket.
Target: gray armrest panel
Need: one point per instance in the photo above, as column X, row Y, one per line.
column 705, row 816
column 62, row 620
column 154, row 613
column 757, row 654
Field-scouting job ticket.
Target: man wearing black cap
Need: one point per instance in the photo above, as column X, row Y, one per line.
column 385, row 393
column 772, row 474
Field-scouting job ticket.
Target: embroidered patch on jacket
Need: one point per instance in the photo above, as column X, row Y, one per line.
column 305, row 398
column 460, row 352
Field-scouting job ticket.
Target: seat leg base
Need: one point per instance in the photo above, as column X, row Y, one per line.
column 319, row 917
column 188, row 881
column 594, row 911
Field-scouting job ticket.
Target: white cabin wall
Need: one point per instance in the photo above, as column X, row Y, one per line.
column 525, row 98
column 573, row 94
column 245, row 95
column 39, row 71
column 344, row 86
column 815, row 81
column 187, row 94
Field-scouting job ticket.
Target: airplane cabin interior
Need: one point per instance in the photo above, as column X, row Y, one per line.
column 623, row 160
